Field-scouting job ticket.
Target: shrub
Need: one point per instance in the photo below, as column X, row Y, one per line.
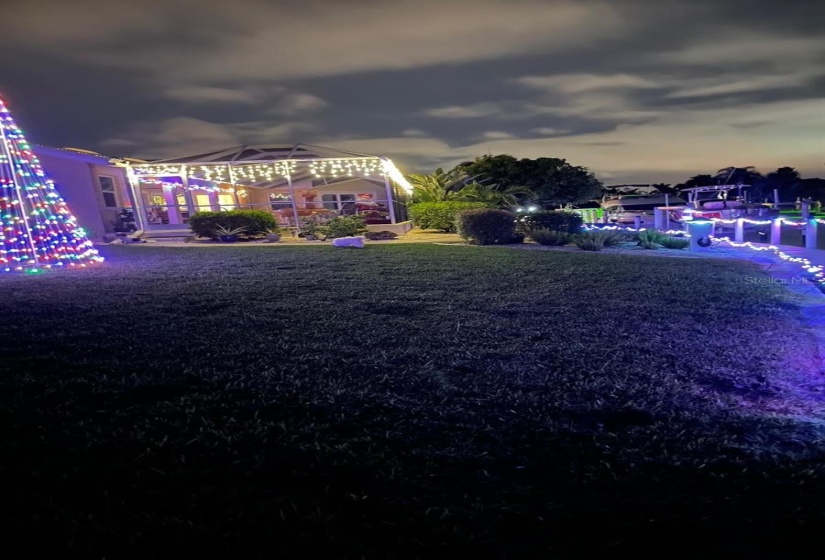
column 255, row 223
column 546, row 236
column 612, row 237
column 590, row 241
column 342, row 226
column 485, row 226
column 589, row 244
column 440, row 215
column 650, row 239
column 675, row 243
column 567, row 222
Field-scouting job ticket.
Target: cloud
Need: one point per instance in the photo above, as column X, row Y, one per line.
column 280, row 100
column 497, row 135
column 474, row 111
column 597, row 106
column 728, row 48
column 728, row 85
column 295, row 103
column 44, row 24
column 181, row 136
column 414, row 154
column 608, row 84
column 258, row 41
column 673, row 148
column 579, row 83
column 548, row 131
column 205, row 94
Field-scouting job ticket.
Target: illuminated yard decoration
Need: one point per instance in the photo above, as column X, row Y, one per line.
column 38, row 230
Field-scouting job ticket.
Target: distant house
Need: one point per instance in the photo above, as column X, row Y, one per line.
column 293, row 182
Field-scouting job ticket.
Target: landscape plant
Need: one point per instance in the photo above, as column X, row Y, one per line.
column 589, row 241
column 650, row 239
column 610, row 237
column 342, row 226
column 440, row 216
column 544, row 236
column 256, row 223
column 228, row 235
column 675, row 243
column 554, row 220
column 487, row 226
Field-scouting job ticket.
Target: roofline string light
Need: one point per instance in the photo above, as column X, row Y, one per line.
column 259, row 172
column 37, row 230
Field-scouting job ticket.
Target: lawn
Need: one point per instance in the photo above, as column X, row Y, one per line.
column 408, row 401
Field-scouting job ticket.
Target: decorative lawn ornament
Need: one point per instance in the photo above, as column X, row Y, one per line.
column 354, row 242
column 38, row 230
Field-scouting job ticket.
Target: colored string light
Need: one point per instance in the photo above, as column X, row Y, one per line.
column 37, row 230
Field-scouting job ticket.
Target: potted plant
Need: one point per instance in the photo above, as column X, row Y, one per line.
column 226, row 235
column 273, row 235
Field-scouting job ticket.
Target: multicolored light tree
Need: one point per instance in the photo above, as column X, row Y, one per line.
column 37, row 230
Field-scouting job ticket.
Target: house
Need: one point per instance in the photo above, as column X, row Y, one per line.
column 95, row 190
column 293, row 182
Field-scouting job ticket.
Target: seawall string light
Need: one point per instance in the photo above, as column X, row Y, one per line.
column 815, row 271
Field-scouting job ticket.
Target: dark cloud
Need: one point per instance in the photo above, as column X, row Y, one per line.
column 637, row 90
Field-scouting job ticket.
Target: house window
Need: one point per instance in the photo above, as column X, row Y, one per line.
column 279, row 201
column 226, row 201
column 336, row 201
column 107, row 189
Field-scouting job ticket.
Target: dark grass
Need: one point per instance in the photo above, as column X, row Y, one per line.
column 405, row 401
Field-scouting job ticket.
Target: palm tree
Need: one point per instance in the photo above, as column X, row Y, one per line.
column 746, row 175
column 490, row 195
column 438, row 187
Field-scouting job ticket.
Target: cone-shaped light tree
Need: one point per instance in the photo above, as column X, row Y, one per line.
column 37, row 230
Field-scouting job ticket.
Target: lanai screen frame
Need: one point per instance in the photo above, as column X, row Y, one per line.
column 269, row 173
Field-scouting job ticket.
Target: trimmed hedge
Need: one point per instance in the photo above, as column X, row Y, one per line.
column 254, row 222
column 486, row 226
column 440, row 215
column 564, row 222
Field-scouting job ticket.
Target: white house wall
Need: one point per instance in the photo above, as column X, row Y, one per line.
column 76, row 178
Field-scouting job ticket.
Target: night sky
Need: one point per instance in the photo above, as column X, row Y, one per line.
column 636, row 90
